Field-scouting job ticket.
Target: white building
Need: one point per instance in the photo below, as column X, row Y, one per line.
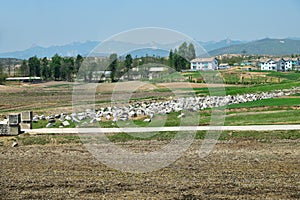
column 288, row 64
column 277, row 65
column 269, row 65
column 223, row 66
column 204, row 64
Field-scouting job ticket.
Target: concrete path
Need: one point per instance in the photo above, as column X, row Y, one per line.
column 158, row 129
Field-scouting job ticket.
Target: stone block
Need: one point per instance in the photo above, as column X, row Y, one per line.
column 26, row 125
column 65, row 123
column 26, row 116
column 14, row 130
column 14, row 119
column 4, row 129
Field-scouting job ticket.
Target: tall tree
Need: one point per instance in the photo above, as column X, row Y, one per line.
column 78, row 62
column 67, row 69
column 128, row 63
column 55, row 66
column 9, row 66
column 24, row 70
column 182, row 50
column 45, row 70
column 34, row 66
column 2, row 74
column 191, row 53
column 171, row 59
column 113, row 60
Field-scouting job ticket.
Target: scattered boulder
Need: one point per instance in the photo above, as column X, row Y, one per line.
column 68, row 118
column 14, row 144
column 65, row 123
column 147, row 120
column 93, row 121
column 51, row 120
column 98, row 119
column 57, row 116
column 180, row 116
column 49, row 125
column 35, row 119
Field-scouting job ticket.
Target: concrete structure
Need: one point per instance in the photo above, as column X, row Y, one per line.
column 26, row 120
column 10, row 126
column 145, row 72
column 223, row 66
column 198, row 64
column 25, row 79
column 15, row 122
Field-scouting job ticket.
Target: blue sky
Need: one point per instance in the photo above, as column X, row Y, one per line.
column 55, row 22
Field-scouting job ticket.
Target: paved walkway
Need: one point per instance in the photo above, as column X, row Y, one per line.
column 158, row 129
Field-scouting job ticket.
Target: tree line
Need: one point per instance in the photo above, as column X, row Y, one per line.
column 60, row 68
column 55, row 68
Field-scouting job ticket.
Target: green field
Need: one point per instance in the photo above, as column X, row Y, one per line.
column 268, row 102
column 244, row 89
column 261, row 136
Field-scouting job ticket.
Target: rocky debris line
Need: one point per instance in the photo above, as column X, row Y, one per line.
column 149, row 109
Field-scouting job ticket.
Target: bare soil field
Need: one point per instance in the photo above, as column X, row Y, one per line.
column 53, row 97
column 238, row 169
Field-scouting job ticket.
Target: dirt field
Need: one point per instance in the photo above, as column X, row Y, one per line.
column 56, row 97
column 241, row 169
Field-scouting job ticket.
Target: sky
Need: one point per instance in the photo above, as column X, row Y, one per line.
column 24, row 23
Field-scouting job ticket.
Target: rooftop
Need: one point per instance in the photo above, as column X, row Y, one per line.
column 203, row 59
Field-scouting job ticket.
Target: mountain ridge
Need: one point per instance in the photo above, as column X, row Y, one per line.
column 265, row 46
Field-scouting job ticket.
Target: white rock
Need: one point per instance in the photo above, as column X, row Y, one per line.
column 68, row 117
column 181, row 115
column 147, row 120
column 93, row 121
column 98, row 119
column 35, row 119
column 65, row 123
column 14, row 144
column 49, row 125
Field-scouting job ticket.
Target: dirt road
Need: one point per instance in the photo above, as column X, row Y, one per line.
column 161, row 129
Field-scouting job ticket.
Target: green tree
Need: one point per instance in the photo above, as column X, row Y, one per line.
column 45, row 70
column 67, row 69
column 55, row 66
column 78, row 61
column 191, row 53
column 182, row 50
column 185, row 53
column 34, row 66
column 113, row 60
column 128, row 63
column 171, row 59
column 24, row 70
column 3, row 76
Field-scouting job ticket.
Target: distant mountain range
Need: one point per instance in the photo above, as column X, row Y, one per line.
column 71, row 49
column 213, row 45
column 265, row 46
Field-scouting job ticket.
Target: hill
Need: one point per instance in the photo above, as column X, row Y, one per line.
column 265, row 46
column 64, row 50
column 213, row 45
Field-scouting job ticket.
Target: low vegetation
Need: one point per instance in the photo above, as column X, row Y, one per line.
column 260, row 136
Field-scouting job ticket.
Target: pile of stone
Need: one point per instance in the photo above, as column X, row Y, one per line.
column 148, row 110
